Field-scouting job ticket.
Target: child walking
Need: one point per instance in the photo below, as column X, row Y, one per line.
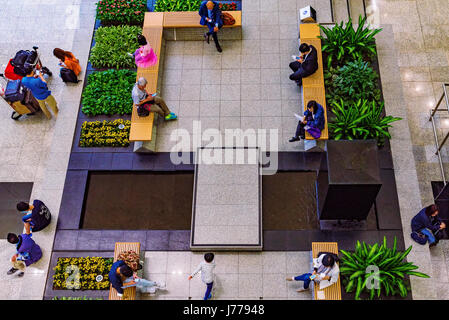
column 207, row 273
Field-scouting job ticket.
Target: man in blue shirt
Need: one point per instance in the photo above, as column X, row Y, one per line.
column 38, row 86
column 211, row 17
column 120, row 271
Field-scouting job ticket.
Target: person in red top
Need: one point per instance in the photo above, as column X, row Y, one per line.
column 67, row 60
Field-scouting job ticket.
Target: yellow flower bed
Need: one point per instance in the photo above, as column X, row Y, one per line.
column 81, row 273
column 105, row 133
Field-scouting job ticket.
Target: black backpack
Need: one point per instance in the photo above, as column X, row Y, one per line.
column 142, row 111
column 68, row 75
column 20, row 58
column 40, row 216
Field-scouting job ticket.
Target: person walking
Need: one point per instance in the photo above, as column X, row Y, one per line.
column 206, row 268
column 149, row 102
column 427, row 226
column 28, row 252
column 38, row 86
column 211, row 17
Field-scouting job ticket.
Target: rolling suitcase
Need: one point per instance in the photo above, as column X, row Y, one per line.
column 29, row 106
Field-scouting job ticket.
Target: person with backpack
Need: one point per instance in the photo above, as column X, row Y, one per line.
column 70, row 66
column 325, row 272
column 207, row 273
column 146, row 103
column 427, row 226
column 211, row 17
column 37, row 214
column 38, row 86
column 28, row 252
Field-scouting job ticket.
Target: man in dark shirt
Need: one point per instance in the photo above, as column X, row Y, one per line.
column 306, row 65
column 37, row 214
column 120, row 271
column 28, row 252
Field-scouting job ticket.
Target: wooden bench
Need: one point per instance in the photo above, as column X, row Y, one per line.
column 313, row 86
column 129, row 293
column 332, row 292
column 143, row 129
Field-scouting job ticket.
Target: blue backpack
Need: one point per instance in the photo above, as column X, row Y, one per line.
column 419, row 237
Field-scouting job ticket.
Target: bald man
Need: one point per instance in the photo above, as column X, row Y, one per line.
column 211, row 17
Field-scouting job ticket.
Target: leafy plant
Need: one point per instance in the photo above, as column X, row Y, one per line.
column 105, row 133
column 88, row 268
column 177, row 5
column 109, row 92
column 362, row 120
column 227, row 6
column 111, row 46
column 121, row 11
column 343, row 41
column 355, row 80
column 391, row 265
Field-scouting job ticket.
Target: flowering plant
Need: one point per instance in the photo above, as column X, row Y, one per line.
column 121, row 11
column 82, row 273
column 228, row 6
column 105, row 133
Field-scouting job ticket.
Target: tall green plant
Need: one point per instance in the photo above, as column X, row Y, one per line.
column 344, row 41
column 354, row 81
column 177, row 5
column 361, row 120
column 354, row 268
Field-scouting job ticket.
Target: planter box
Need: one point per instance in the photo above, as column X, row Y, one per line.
column 152, row 3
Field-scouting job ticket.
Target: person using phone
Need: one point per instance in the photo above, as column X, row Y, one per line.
column 427, row 223
column 306, row 65
column 211, row 17
column 150, row 102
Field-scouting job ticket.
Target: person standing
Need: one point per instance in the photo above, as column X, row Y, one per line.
column 37, row 214
column 306, row 65
column 207, row 273
column 427, row 224
column 38, row 86
column 211, row 17
column 28, row 252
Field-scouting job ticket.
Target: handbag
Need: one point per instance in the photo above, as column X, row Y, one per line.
column 143, row 110
column 419, row 237
column 131, row 258
column 314, row 132
column 227, row 18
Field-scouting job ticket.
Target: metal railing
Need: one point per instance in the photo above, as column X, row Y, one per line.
column 348, row 7
column 439, row 146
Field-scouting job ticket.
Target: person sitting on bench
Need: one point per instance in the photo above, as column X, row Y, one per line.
column 306, row 65
column 120, row 271
column 141, row 98
column 428, row 226
column 325, row 272
column 312, row 122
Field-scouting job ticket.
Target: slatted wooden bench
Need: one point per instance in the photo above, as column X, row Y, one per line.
column 143, row 129
column 129, row 293
column 313, row 86
column 332, row 292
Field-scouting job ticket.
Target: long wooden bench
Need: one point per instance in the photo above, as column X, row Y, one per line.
column 313, row 86
column 129, row 293
column 332, row 292
column 143, row 129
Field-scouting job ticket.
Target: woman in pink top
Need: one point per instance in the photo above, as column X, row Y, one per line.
column 144, row 56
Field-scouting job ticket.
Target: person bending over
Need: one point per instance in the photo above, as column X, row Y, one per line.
column 306, row 65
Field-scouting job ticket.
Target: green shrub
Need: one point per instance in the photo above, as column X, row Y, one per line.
column 343, row 42
column 362, row 120
column 105, row 133
column 111, row 46
column 352, row 82
column 177, row 5
column 75, row 298
column 391, row 265
column 121, row 11
column 109, row 92
column 81, row 273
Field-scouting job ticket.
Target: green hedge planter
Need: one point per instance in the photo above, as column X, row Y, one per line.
column 82, row 273
column 113, row 12
column 111, row 46
column 105, row 133
column 109, row 92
